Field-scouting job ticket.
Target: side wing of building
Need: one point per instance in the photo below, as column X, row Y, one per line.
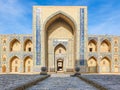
column 103, row 54
column 16, row 53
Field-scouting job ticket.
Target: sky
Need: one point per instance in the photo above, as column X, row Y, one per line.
column 103, row 15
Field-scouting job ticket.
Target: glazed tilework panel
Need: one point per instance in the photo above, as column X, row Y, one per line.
column 27, row 37
column 93, row 38
column 82, row 36
column 38, row 38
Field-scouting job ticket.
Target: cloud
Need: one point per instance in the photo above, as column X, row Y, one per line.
column 105, row 20
column 8, row 7
column 15, row 16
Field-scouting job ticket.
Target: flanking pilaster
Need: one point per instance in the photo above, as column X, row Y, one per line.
column 83, row 38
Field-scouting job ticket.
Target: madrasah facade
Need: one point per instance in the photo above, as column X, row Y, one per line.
column 60, row 42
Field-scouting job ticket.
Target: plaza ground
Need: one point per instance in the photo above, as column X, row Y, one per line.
column 64, row 82
column 59, row 82
column 14, row 81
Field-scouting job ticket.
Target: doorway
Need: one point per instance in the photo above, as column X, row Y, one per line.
column 59, row 65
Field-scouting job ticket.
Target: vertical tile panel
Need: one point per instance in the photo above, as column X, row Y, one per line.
column 38, row 38
column 82, row 62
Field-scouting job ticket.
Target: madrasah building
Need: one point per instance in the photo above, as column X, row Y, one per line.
column 60, row 42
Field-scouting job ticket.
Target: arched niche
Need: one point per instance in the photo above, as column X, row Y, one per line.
column 59, row 27
column 60, row 49
column 28, row 45
column 28, row 64
column 105, row 46
column 15, row 45
column 92, row 46
column 92, row 65
column 15, row 64
column 105, row 65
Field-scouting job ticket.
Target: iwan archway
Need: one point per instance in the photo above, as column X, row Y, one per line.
column 60, row 58
column 60, row 43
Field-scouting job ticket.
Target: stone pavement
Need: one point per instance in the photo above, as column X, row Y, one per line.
column 8, row 81
column 62, row 82
column 111, row 82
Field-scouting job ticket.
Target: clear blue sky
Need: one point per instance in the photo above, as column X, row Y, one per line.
column 103, row 15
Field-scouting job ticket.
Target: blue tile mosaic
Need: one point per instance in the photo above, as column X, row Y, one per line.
column 82, row 36
column 38, row 38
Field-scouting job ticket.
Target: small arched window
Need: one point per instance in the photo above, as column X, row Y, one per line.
column 4, row 41
column 4, row 48
column 103, row 62
column 59, row 50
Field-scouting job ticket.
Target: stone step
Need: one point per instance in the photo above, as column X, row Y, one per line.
column 60, row 75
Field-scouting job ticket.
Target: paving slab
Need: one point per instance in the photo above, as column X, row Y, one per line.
column 64, row 82
column 111, row 82
column 8, row 81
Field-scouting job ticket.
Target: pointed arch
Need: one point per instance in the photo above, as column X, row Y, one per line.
column 59, row 26
column 15, row 45
column 28, row 64
column 92, row 64
column 105, row 65
column 14, row 64
column 60, row 49
column 60, row 14
column 60, row 45
column 28, row 45
column 92, row 46
column 105, row 46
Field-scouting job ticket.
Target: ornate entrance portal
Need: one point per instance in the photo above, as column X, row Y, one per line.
column 60, row 43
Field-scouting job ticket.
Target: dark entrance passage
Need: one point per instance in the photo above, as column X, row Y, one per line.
column 60, row 65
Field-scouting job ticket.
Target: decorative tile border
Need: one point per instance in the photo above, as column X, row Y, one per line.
column 82, row 36
column 38, row 38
